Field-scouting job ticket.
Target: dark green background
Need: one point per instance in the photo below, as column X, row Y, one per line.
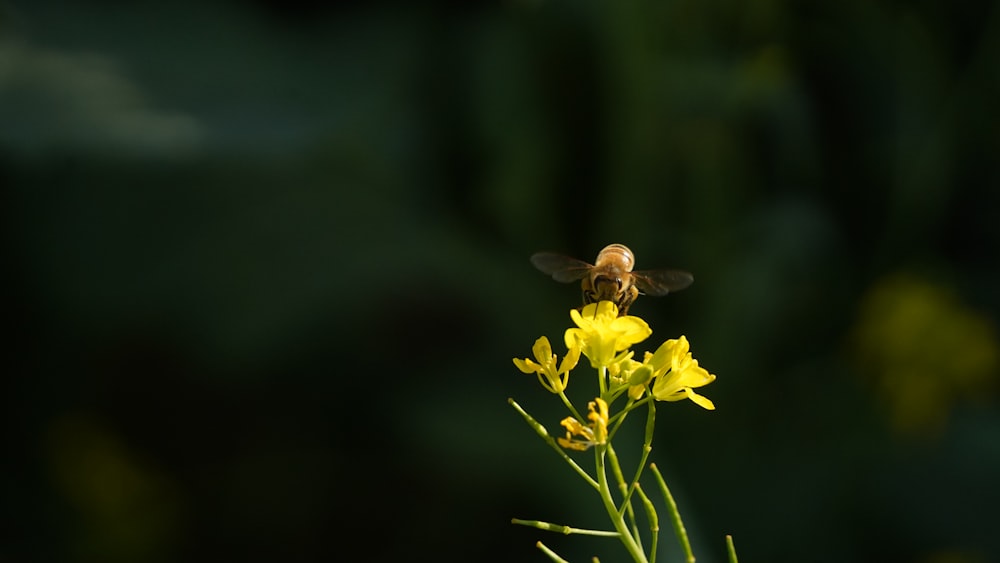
column 267, row 266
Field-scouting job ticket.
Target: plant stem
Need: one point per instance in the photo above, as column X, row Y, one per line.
column 552, row 555
column 647, row 446
column 544, row 434
column 675, row 515
column 569, row 405
column 565, row 530
column 623, row 488
column 609, row 505
column 654, row 522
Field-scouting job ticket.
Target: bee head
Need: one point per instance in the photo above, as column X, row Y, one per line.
column 607, row 287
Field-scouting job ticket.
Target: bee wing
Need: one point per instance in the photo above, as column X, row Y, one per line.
column 562, row 268
column 661, row 282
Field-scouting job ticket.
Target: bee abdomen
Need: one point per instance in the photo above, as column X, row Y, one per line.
column 616, row 255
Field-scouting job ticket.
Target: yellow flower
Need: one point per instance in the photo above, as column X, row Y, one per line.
column 677, row 373
column 595, row 433
column 555, row 380
column 601, row 333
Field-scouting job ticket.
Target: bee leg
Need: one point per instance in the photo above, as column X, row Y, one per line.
column 589, row 296
column 628, row 297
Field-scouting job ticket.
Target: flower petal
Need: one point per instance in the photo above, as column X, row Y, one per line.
column 570, row 360
column 527, row 366
column 598, row 417
column 662, row 359
column 635, row 392
column 695, row 376
column 630, row 330
column 574, row 337
column 699, row 400
column 574, row 426
column 682, row 346
column 573, row 445
column 542, row 350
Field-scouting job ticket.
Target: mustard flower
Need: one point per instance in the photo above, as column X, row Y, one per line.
column 601, row 333
column 553, row 379
column 677, row 373
column 594, row 434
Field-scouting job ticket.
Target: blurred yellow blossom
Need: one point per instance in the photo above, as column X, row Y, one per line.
column 924, row 350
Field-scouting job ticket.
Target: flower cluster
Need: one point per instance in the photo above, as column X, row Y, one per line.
column 669, row 374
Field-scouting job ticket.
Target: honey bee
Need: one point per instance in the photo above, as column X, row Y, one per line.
column 610, row 277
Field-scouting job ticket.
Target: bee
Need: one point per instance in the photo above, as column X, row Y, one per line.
column 610, row 277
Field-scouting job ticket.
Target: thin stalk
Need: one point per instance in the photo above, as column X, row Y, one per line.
column 569, row 405
column 541, row 431
column 629, row 408
column 619, row 420
column 675, row 515
column 647, row 447
column 551, row 554
column 609, row 505
column 623, row 489
column 560, row 529
column 654, row 522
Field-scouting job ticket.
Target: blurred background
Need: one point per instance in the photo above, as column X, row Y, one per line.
column 267, row 266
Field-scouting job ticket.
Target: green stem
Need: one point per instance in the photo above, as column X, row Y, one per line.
column 620, row 420
column 631, row 406
column 551, row 554
column 731, row 549
column 654, row 522
column 609, row 505
column 569, row 405
column 560, row 529
column 647, row 447
column 615, row 393
column 675, row 515
column 623, row 487
column 541, row 431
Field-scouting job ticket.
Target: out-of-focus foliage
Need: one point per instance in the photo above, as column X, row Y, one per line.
column 267, row 266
